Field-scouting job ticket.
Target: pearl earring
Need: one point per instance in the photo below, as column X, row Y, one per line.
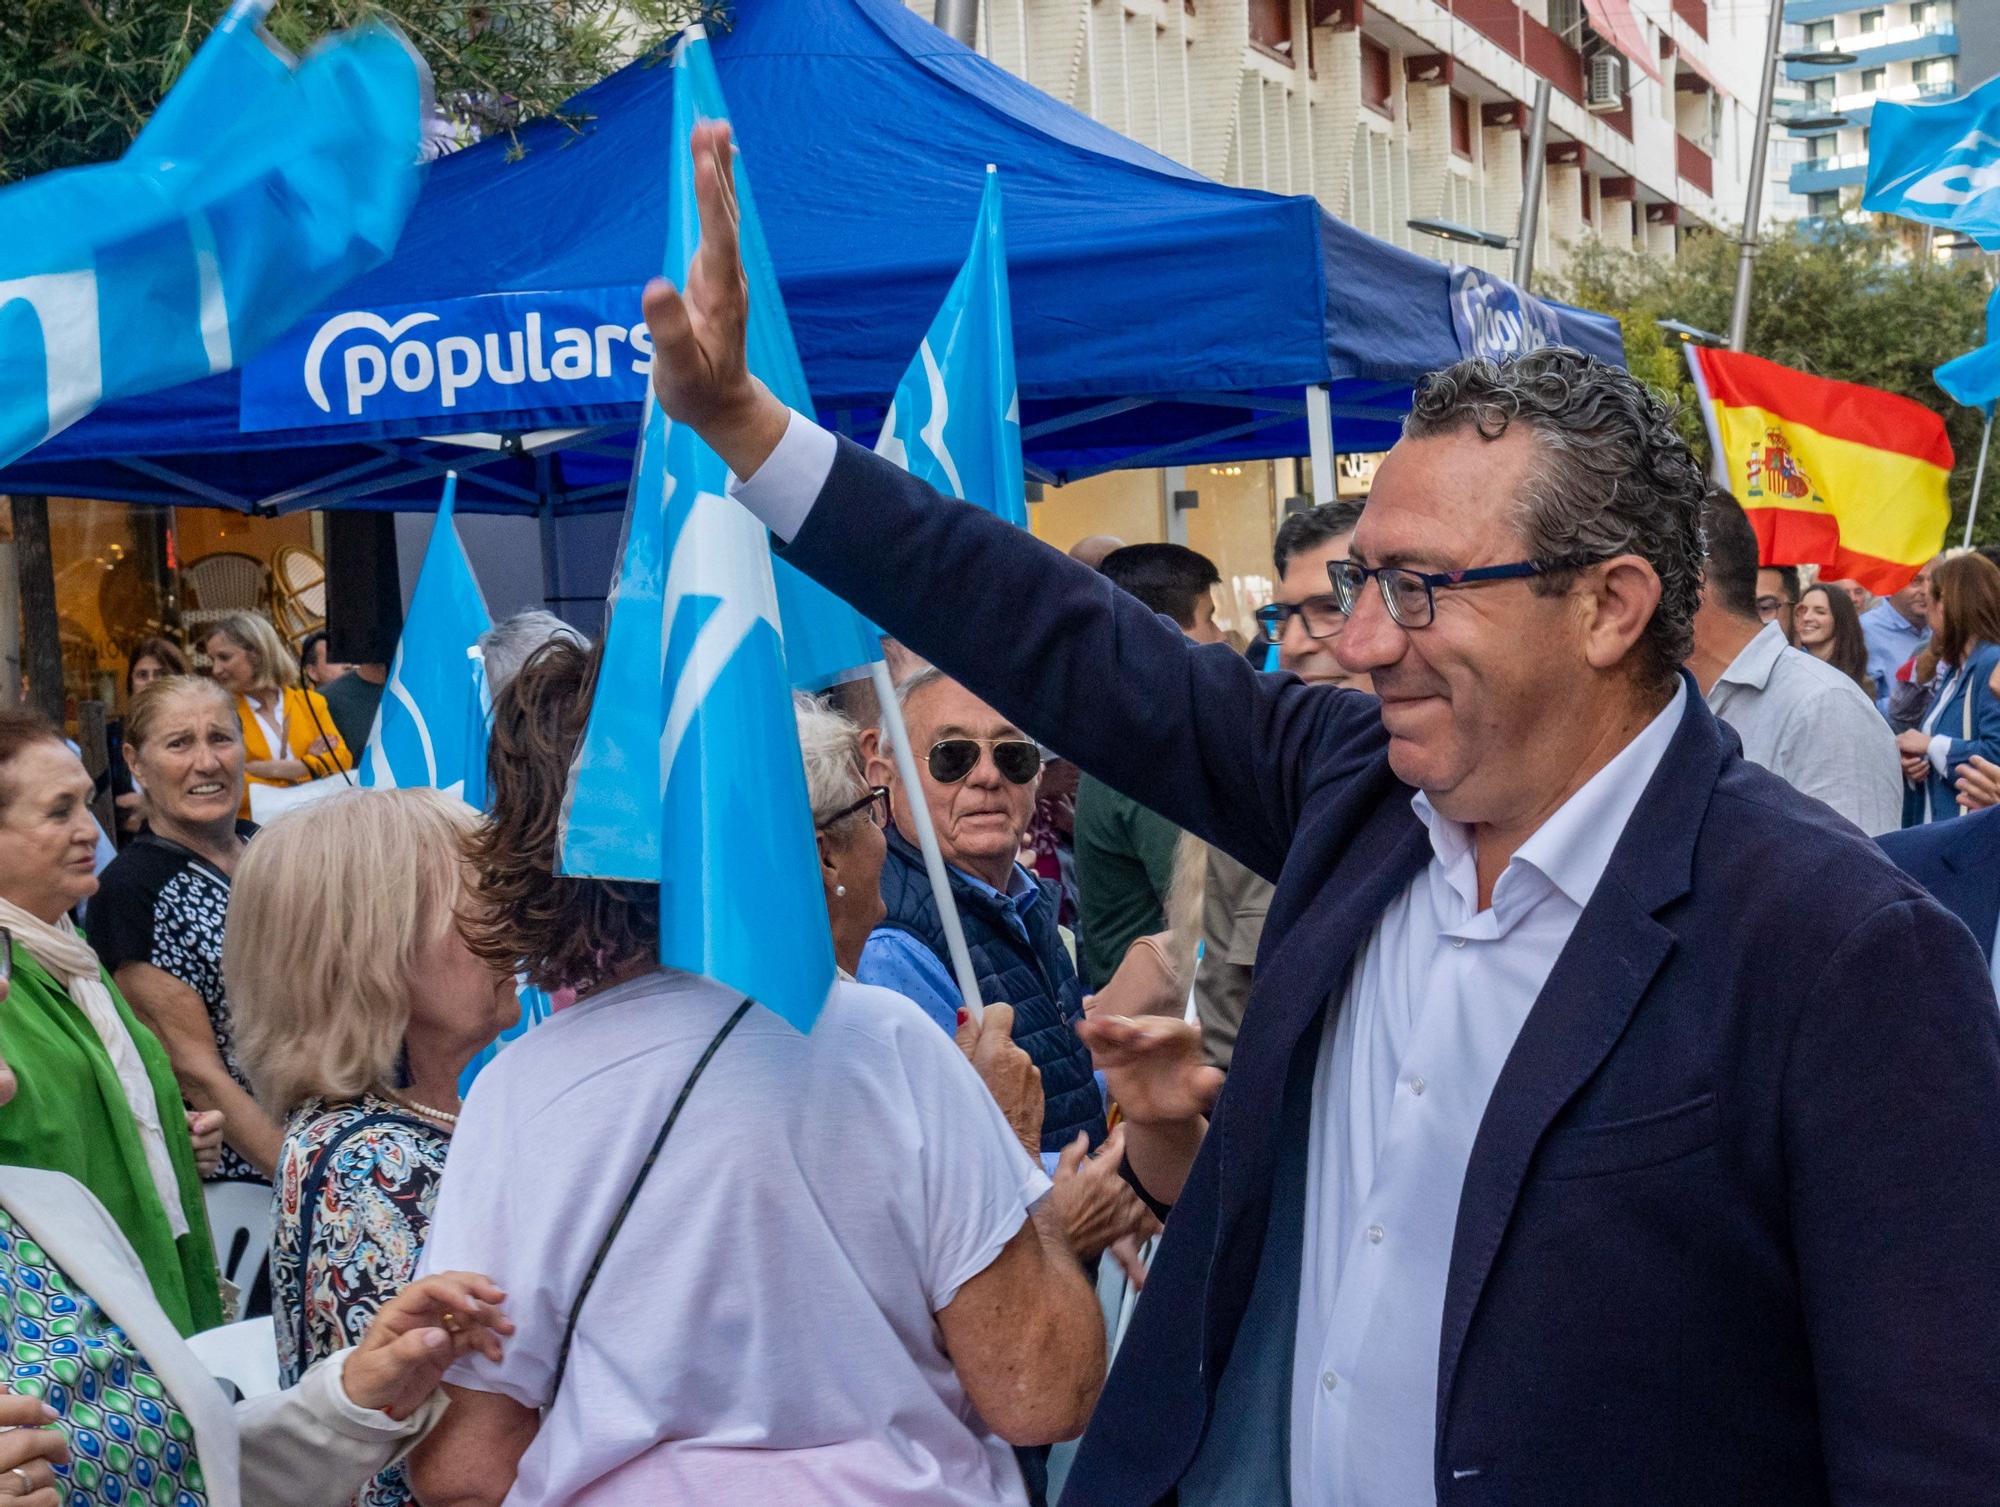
column 839, row 890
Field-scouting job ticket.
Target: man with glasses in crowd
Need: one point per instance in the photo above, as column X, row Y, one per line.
column 1564, row 1157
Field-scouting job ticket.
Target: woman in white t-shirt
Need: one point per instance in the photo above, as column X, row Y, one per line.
column 828, row 1288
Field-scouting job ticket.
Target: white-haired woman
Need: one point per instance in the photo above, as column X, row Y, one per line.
column 289, row 735
column 357, row 1007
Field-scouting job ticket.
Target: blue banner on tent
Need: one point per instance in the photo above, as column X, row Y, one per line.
column 1495, row 320
column 496, row 354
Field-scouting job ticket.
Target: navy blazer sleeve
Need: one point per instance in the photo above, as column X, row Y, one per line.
column 1895, row 1156
column 1193, row 732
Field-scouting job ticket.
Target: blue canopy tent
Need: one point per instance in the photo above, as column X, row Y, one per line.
column 1160, row 318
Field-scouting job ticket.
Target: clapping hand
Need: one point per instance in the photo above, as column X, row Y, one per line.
column 29, row 1452
column 417, row 1337
column 1091, row 1200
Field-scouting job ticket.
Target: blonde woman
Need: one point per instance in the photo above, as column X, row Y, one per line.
column 289, row 735
column 357, row 1007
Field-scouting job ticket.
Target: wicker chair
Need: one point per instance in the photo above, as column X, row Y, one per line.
column 215, row 586
column 298, row 592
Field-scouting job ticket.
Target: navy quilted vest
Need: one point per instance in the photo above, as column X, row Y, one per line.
column 1024, row 966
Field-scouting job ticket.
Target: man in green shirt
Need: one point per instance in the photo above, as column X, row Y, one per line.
column 1125, row 853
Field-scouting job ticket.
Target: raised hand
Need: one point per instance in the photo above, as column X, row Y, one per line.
column 701, row 371
column 1091, row 1200
column 1978, row 784
column 419, row 1334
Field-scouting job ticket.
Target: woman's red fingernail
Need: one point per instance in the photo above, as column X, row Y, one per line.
column 961, row 1015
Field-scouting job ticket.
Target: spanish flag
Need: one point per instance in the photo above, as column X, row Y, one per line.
column 1848, row 478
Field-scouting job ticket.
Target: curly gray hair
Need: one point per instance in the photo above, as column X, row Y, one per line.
column 1614, row 476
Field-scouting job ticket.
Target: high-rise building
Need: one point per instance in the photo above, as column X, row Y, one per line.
column 1909, row 50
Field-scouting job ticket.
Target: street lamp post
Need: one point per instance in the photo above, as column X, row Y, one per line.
column 1522, row 242
column 1753, row 209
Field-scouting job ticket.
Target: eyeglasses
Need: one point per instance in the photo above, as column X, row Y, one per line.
column 875, row 803
column 1767, row 607
column 1411, row 595
column 954, row 758
column 1321, row 616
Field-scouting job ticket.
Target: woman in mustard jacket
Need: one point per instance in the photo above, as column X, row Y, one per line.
column 288, row 733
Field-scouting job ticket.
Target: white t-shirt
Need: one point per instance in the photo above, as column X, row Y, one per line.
column 762, row 1330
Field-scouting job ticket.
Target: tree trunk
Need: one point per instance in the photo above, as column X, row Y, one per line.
column 41, row 633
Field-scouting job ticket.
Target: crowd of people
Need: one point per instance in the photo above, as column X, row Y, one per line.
column 1396, row 999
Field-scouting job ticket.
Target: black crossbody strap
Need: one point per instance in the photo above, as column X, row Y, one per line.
column 631, row 1196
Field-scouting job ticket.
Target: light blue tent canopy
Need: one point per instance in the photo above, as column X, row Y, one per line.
column 1160, row 318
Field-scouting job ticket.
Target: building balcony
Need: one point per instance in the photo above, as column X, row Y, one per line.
column 1819, row 175
column 1799, row 11
column 1858, row 105
column 1899, row 44
column 1695, row 13
column 1695, row 167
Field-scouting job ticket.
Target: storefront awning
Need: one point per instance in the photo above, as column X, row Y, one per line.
column 1613, row 20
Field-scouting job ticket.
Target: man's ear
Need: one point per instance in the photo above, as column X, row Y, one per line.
column 878, row 767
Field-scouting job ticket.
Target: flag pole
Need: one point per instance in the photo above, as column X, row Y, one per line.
column 1978, row 475
column 897, row 734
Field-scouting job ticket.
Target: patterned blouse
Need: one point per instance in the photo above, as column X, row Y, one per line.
column 128, row 1441
column 369, row 1170
column 159, row 903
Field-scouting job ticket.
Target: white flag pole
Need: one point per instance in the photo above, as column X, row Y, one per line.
column 1978, row 475
column 897, row 735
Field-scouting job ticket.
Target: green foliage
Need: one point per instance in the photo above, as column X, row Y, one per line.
column 1849, row 304
column 79, row 77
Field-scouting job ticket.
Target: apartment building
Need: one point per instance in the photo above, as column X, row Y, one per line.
column 1392, row 110
column 1912, row 50
column 1388, row 111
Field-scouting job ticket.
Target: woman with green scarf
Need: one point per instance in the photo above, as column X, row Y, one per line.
column 98, row 1099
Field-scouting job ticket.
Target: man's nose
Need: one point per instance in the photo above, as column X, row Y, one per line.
column 986, row 773
column 1371, row 640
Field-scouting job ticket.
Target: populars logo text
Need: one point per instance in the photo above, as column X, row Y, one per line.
column 370, row 355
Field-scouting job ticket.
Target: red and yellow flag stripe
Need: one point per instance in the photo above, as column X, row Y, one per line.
column 1849, row 478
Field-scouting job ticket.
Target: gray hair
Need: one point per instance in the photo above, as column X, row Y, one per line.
column 1613, row 476
column 831, row 745
column 909, row 685
column 508, row 643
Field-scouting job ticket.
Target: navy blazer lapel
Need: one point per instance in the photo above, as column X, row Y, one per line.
column 1610, row 959
column 1970, row 888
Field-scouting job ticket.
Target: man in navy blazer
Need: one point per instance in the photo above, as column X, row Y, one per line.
column 1958, row 861
column 1563, row 1157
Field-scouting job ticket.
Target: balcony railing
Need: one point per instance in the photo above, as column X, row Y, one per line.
column 1832, row 164
column 1694, row 165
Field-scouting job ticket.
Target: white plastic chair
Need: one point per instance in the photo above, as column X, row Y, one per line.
column 244, row 1354
column 239, row 1218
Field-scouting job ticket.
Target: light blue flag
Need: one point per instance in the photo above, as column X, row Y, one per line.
column 1974, row 378
column 955, row 420
column 608, row 829
column 1939, row 163
column 255, row 192
column 430, row 727
column 725, row 795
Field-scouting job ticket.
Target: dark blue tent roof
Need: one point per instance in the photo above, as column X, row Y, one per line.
column 1160, row 317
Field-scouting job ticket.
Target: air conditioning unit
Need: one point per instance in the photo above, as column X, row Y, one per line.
column 1604, row 84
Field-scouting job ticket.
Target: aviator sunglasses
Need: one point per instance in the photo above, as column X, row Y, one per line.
column 952, row 759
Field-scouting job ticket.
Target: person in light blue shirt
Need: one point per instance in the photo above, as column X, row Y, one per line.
column 1895, row 628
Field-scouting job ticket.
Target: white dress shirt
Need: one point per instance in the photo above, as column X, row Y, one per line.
column 1436, row 998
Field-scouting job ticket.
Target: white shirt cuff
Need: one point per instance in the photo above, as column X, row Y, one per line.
column 1941, row 755
column 785, row 487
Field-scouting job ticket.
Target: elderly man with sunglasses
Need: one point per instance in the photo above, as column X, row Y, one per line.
column 1563, row 1158
column 978, row 773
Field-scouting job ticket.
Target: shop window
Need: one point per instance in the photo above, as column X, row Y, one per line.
column 1377, row 78
column 1461, row 127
